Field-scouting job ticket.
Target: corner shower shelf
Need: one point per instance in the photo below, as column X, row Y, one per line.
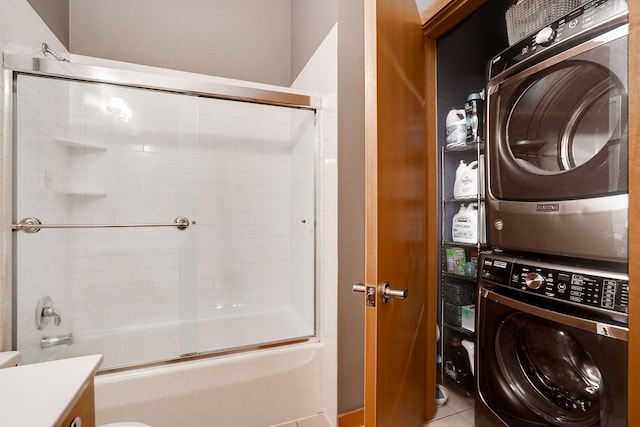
column 79, row 194
column 80, row 146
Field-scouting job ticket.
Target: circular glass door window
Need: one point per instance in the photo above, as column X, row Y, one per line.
column 566, row 117
column 550, row 372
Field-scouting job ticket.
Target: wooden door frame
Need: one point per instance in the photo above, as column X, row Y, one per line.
column 440, row 18
column 634, row 213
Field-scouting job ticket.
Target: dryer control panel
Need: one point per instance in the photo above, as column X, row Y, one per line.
column 579, row 285
column 593, row 16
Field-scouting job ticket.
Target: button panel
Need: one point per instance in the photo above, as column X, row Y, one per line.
column 593, row 289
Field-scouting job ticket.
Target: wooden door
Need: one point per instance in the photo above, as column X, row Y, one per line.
column 399, row 336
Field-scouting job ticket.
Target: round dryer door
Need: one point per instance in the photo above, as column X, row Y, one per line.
column 565, row 118
column 549, row 371
column 558, row 131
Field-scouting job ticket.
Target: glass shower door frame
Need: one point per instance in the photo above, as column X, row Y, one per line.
column 43, row 67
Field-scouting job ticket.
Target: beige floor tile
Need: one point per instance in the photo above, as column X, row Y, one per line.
column 454, row 420
column 459, row 402
column 443, row 411
column 468, row 415
column 315, row 421
column 458, row 411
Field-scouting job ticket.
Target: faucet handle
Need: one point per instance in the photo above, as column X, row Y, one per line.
column 45, row 312
column 51, row 312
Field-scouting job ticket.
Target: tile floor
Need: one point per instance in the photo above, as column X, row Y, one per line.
column 316, row 421
column 457, row 412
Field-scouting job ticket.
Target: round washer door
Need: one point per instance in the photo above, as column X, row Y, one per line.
column 549, row 371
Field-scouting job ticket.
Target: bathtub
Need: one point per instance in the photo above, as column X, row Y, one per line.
column 253, row 389
column 156, row 343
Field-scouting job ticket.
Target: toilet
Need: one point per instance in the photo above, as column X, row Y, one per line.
column 11, row 358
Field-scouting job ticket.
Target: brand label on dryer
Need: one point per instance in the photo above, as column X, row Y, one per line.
column 548, row 207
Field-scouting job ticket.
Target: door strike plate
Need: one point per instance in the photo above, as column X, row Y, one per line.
column 371, row 296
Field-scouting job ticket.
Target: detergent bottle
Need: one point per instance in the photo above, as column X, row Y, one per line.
column 470, row 347
column 462, row 166
column 456, row 128
column 466, row 183
column 464, row 228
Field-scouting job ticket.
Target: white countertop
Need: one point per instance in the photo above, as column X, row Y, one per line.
column 37, row 395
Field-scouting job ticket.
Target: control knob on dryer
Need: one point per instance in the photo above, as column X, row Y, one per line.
column 545, row 36
column 534, row 280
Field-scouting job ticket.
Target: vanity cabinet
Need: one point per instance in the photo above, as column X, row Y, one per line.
column 49, row 394
column 82, row 409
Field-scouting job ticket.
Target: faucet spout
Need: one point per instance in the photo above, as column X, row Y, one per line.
column 55, row 340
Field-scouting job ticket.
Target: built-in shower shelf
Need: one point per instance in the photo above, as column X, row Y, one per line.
column 80, row 146
column 80, row 194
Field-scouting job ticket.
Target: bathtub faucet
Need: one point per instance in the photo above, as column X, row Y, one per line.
column 54, row 340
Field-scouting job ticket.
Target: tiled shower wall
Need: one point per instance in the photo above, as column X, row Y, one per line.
column 21, row 32
column 319, row 76
column 43, row 270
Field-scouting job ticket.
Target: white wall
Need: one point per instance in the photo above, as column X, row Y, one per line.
column 311, row 21
column 320, row 76
column 242, row 39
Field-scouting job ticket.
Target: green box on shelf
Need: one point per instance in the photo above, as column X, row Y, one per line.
column 456, row 259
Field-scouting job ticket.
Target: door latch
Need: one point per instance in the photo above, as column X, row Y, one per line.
column 370, row 293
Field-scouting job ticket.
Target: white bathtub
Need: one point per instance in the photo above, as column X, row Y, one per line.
column 254, row 389
column 156, row 343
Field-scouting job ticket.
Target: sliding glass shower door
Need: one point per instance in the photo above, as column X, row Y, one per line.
column 151, row 225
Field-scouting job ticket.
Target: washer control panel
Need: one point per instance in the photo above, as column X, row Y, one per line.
column 595, row 288
column 593, row 14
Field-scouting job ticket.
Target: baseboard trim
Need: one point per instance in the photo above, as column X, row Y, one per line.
column 353, row 418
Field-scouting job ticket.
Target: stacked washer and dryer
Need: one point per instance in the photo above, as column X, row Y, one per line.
column 552, row 308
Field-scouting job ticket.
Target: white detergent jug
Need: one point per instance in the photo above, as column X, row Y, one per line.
column 466, row 183
column 462, row 166
column 464, row 227
column 471, row 350
column 456, row 128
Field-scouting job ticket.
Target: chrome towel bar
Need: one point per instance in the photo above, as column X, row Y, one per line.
column 33, row 225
